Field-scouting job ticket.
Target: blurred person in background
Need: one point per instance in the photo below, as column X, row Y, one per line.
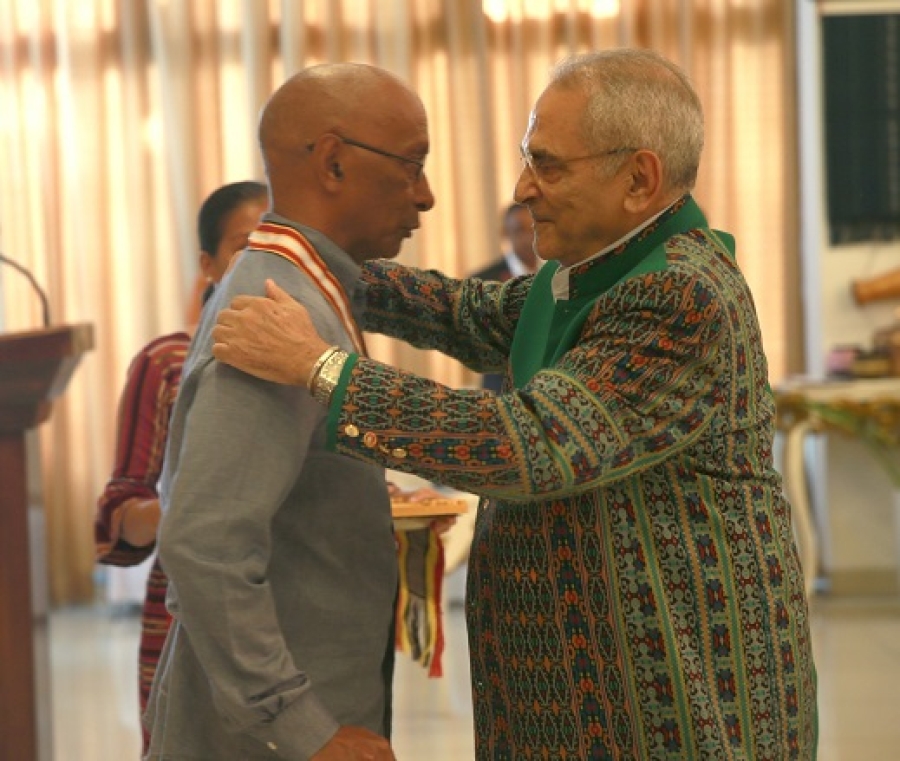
column 520, row 259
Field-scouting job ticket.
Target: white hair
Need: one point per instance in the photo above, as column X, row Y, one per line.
column 639, row 99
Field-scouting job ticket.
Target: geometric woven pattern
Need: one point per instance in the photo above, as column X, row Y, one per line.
column 634, row 590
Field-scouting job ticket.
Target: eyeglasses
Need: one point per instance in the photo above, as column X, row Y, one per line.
column 548, row 169
column 415, row 168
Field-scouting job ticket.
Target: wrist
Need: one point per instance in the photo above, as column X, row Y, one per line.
column 308, row 363
column 140, row 519
column 317, row 366
column 326, row 379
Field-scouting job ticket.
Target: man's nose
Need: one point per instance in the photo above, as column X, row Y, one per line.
column 424, row 196
column 526, row 186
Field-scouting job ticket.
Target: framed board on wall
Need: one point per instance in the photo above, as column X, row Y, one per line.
column 861, row 64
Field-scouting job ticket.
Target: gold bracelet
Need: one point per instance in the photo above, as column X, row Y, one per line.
column 317, row 367
column 328, row 377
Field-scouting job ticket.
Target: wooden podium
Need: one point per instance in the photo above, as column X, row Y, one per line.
column 35, row 368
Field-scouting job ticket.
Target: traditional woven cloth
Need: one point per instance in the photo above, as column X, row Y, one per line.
column 634, row 591
column 420, row 554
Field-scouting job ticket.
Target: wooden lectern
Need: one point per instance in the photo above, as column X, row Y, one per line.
column 35, row 368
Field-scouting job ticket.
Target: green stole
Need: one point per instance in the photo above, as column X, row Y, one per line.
column 548, row 328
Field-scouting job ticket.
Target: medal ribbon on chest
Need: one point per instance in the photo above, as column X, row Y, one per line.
column 290, row 244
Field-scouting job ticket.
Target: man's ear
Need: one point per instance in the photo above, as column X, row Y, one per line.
column 326, row 158
column 645, row 181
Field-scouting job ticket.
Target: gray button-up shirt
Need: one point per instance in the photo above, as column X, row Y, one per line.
column 280, row 554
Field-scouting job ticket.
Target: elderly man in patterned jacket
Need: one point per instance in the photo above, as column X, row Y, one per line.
column 634, row 590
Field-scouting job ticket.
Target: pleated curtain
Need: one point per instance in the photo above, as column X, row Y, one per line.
column 117, row 117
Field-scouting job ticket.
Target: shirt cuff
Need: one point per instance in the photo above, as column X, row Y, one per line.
column 299, row 731
column 337, row 401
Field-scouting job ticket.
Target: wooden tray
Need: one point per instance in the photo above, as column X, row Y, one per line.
column 411, row 514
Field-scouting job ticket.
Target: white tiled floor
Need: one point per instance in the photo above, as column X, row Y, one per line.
column 93, row 653
column 857, row 651
column 857, row 645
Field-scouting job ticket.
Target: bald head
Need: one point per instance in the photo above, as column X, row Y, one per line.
column 338, row 140
column 328, row 97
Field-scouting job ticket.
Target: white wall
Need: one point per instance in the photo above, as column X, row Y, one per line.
column 853, row 497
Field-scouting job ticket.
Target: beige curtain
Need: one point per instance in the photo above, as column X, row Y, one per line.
column 118, row 116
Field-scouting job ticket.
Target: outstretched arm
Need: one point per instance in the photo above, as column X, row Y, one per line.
column 638, row 387
column 471, row 320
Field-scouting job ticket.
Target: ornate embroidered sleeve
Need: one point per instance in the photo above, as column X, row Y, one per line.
column 641, row 385
column 470, row 320
column 141, row 430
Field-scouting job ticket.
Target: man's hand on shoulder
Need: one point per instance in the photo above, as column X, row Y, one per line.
column 271, row 337
column 355, row 744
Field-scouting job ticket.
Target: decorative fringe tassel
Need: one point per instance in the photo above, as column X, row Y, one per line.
column 419, row 629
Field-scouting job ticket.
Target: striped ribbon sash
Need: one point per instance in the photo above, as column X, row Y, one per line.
column 418, row 623
column 290, row 244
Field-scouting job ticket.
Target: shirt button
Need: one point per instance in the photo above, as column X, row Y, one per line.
column 272, row 746
column 351, row 430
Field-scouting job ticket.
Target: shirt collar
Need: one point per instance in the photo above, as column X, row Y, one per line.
column 561, row 278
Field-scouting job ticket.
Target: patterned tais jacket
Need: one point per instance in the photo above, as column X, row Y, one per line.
column 634, row 590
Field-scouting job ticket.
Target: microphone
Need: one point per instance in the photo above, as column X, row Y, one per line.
column 45, row 305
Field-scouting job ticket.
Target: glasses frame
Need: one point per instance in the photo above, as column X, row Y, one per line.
column 559, row 165
column 416, row 174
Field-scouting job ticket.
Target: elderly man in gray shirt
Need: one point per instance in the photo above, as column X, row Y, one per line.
column 280, row 554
